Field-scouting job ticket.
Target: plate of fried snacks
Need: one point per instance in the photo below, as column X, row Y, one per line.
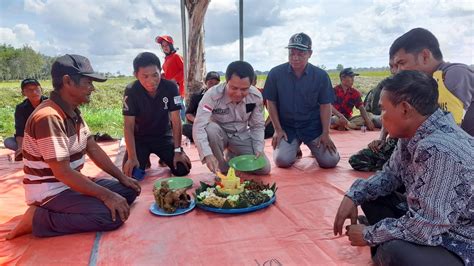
column 171, row 202
column 232, row 195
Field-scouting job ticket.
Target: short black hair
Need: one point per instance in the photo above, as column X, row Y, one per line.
column 415, row 41
column 58, row 81
column 414, row 87
column 241, row 69
column 146, row 59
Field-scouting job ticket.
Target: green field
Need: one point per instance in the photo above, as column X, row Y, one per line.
column 104, row 113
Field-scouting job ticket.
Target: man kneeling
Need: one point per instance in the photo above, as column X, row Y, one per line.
column 431, row 224
column 56, row 140
column 230, row 118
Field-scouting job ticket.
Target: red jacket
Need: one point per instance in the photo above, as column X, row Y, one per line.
column 173, row 69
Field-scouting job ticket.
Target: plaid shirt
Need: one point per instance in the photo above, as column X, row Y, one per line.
column 345, row 101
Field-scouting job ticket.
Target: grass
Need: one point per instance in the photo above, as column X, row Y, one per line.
column 104, row 113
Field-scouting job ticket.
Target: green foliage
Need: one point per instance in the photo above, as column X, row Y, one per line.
column 104, row 113
column 23, row 63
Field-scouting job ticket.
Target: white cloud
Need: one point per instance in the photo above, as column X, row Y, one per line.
column 19, row 35
column 113, row 32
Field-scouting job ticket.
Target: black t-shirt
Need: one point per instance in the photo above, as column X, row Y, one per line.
column 152, row 119
column 194, row 103
column 22, row 112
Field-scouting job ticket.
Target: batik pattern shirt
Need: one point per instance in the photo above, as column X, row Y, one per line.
column 347, row 100
column 436, row 166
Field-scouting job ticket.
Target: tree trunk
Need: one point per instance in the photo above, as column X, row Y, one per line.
column 196, row 61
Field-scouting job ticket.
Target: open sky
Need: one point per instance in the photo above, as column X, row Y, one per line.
column 353, row 33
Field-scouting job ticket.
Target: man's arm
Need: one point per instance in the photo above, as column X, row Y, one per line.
column 257, row 128
column 325, row 115
column 336, row 112
column 176, row 126
column 434, row 203
column 339, row 115
column 190, row 117
column 362, row 190
column 82, row 184
column 129, row 132
column 279, row 132
column 202, row 119
column 381, row 183
column 102, row 160
column 368, row 121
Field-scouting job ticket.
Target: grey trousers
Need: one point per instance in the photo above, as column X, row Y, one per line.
column 399, row 252
column 10, row 143
column 72, row 212
column 233, row 146
column 285, row 154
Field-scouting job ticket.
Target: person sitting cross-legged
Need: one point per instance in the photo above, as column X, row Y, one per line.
column 431, row 222
column 31, row 89
column 347, row 97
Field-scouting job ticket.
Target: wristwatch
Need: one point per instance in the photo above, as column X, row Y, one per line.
column 178, row 150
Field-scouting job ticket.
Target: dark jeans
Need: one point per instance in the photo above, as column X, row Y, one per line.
column 188, row 131
column 71, row 212
column 164, row 149
column 399, row 252
column 10, row 143
column 269, row 131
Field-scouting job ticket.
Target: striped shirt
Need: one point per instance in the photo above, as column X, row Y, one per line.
column 54, row 132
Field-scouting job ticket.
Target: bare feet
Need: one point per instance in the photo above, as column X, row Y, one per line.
column 25, row 226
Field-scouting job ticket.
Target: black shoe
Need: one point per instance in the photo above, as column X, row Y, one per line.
column 363, row 220
column 162, row 163
column 299, row 154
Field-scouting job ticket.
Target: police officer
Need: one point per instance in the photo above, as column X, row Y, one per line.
column 230, row 118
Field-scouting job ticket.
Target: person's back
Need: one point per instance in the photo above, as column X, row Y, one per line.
column 371, row 101
column 456, row 87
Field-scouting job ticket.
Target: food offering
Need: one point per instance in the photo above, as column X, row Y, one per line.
column 169, row 202
column 232, row 195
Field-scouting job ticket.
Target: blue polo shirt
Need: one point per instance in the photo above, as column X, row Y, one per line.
column 298, row 100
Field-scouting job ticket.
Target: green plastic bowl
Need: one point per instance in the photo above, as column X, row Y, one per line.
column 175, row 182
column 247, row 163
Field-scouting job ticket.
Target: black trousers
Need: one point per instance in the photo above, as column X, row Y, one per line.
column 188, row 131
column 164, row 149
column 399, row 252
column 71, row 212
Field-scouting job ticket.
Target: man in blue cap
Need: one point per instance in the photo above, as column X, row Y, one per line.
column 299, row 97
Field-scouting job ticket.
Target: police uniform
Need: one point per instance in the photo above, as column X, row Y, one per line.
column 152, row 130
column 221, row 124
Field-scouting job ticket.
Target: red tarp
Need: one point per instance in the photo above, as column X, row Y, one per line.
column 296, row 230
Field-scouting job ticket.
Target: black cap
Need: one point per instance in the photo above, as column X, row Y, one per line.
column 347, row 72
column 213, row 75
column 29, row 81
column 72, row 64
column 300, row 41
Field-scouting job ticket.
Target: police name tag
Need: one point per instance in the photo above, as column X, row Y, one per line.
column 219, row 111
